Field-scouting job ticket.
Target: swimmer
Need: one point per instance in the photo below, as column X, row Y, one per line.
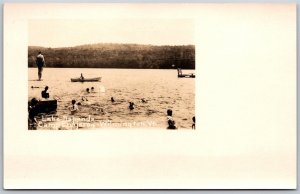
column 84, row 98
column 74, row 107
column 194, row 123
column 131, row 105
column 92, row 89
column 171, row 122
column 34, row 87
column 143, row 100
column 112, row 99
column 88, row 90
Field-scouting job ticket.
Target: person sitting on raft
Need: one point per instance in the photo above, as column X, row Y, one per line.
column 44, row 93
column 74, row 107
column 171, row 122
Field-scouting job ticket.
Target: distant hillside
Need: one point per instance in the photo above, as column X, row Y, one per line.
column 116, row 56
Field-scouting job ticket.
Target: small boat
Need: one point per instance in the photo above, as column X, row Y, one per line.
column 95, row 79
column 181, row 75
column 187, row 75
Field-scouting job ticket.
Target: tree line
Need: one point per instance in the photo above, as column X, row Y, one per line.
column 106, row 55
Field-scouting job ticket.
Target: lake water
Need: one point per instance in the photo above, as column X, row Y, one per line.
column 160, row 88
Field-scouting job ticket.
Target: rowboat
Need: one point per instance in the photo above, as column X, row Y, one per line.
column 95, row 79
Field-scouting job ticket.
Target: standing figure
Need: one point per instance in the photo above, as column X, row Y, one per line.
column 40, row 62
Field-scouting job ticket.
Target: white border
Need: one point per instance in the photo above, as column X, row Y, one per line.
column 247, row 107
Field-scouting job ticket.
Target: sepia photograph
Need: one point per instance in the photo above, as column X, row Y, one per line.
column 119, row 73
column 105, row 96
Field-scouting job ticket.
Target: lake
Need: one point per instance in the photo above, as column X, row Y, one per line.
column 161, row 89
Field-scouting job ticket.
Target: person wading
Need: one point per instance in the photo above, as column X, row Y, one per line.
column 40, row 62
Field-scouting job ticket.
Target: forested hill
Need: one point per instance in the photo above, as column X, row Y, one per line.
column 116, row 56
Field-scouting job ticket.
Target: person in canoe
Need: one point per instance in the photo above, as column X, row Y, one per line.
column 81, row 77
column 40, row 62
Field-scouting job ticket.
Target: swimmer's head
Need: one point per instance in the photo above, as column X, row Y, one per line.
column 73, row 101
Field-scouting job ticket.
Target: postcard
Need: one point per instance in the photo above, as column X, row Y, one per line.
column 106, row 96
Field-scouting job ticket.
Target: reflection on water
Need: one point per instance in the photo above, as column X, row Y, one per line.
column 160, row 89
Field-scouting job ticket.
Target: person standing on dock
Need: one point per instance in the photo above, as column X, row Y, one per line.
column 40, row 62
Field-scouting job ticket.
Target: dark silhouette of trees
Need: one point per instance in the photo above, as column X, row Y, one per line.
column 116, row 56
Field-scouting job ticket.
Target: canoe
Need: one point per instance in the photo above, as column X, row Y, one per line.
column 95, row 79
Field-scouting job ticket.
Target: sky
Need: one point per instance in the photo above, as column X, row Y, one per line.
column 65, row 33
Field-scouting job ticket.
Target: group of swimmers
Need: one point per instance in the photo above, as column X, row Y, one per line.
column 89, row 91
column 171, row 122
column 74, row 107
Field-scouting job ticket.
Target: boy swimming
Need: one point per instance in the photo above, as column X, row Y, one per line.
column 74, row 107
